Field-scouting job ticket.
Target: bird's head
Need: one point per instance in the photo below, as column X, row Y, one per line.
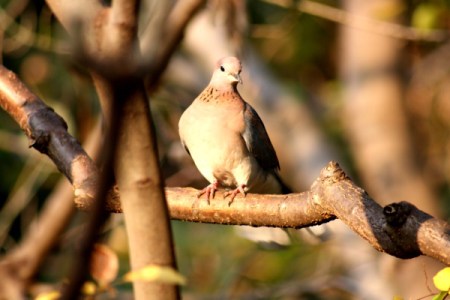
column 227, row 73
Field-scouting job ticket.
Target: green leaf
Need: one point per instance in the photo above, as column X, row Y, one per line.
column 156, row 273
column 440, row 296
column 442, row 280
column 426, row 16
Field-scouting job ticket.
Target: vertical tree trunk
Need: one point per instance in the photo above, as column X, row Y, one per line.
column 374, row 114
column 376, row 125
column 110, row 44
column 143, row 200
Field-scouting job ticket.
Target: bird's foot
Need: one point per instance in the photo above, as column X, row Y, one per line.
column 210, row 190
column 233, row 193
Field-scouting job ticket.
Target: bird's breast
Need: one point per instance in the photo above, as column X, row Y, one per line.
column 214, row 139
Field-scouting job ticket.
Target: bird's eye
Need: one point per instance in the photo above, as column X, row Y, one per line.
column 222, row 69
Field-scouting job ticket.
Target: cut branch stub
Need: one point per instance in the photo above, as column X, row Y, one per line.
column 415, row 232
column 402, row 228
column 396, row 214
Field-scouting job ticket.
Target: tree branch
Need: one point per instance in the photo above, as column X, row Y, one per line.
column 178, row 19
column 288, row 211
column 47, row 133
column 69, row 12
column 344, row 17
column 399, row 229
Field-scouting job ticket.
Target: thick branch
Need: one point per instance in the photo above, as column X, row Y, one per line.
column 294, row 210
column 409, row 235
column 47, row 133
column 399, row 229
column 142, row 194
column 178, row 18
column 71, row 13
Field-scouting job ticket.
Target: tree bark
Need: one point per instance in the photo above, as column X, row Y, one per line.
column 143, row 199
column 113, row 55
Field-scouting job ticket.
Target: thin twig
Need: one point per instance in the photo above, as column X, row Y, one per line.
column 98, row 215
column 31, row 177
column 178, row 18
column 368, row 24
column 24, row 36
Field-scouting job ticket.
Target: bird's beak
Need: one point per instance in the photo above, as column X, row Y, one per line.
column 235, row 78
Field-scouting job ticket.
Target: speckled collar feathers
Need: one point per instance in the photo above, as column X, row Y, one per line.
column 213, row 95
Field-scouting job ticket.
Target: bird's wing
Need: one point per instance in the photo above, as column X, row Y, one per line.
column 186, row 147
column 257, row 140
column 181, row 125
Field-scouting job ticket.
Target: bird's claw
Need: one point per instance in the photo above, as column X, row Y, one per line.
column 210, row 191
column 233, row 193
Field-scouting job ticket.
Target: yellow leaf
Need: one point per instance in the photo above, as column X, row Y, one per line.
column 442, row 280
column 156, row 273
column 89, row 288
column 397, row 297
column 48, row 296
column 426, row 16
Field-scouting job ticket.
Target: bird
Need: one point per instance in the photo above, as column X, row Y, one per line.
column 227, row 139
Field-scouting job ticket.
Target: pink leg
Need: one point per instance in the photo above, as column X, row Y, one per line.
column 233, row 193
column 209, row 191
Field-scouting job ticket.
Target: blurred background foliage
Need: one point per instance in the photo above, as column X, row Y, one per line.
column 302, row 50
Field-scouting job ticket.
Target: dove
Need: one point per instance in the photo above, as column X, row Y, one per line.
column 227, row 139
